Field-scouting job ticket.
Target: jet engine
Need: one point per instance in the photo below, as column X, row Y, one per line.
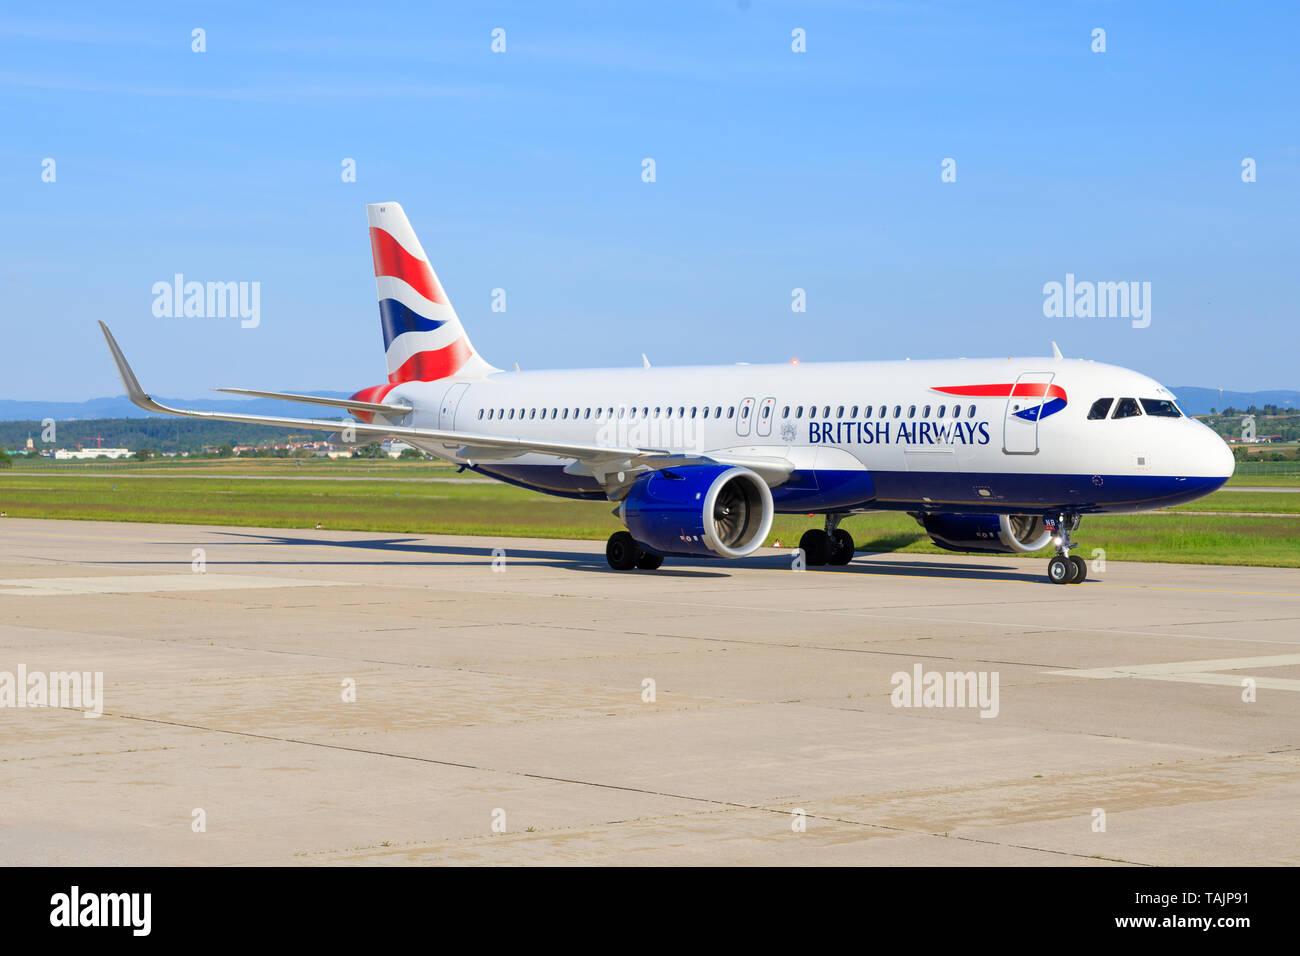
column 718, row 511
column 987, row 534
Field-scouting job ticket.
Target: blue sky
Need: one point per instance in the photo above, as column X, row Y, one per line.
column 775, row 170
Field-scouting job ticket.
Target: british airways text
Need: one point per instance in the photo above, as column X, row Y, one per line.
column 907, row 433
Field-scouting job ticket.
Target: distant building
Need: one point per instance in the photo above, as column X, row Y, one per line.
column 64, row 454
column 394, row 448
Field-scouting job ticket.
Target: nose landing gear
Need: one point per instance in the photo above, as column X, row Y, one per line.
column 833, row 545
column 1064, row 568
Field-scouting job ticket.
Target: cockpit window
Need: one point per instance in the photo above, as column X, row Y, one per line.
column 1099, row 408
column 1126, row 408
column 1161, row 408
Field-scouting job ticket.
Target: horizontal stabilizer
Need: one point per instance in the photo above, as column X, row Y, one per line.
column 318, row 400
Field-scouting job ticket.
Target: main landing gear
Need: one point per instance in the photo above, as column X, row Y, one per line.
column 1065, row 568
column 623, row 554
column 831, row 546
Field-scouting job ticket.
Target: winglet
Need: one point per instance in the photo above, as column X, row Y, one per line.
column 129, row 381
column 1056, row 351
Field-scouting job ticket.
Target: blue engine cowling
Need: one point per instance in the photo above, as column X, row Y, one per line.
column 987, row 534
column 711, row 511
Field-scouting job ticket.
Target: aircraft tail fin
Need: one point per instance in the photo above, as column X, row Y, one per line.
column 423, row 338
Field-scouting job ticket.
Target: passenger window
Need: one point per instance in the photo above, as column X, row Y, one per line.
column 731, row 410
column 926, row 413
column 693, row 411
column 956, row 411
column 853, row 412
column 766, row 412
column 942, row 410
column 480, row 413
column 744, row 412
column 785, row 412
column 898, row 411
column 839, row 412
column 717, row 412
column 812, row 411
column 911, row 411
column 798, row 412
column 866, row 412
column 1099, row 409
column 1126, row 408
column 826, row 412
column 970, row 411
column 705, row 412
column 1160, row 408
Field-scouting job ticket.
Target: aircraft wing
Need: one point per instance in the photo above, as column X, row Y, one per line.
column 614, row 467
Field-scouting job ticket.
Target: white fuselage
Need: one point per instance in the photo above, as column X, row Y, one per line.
column 861, row 435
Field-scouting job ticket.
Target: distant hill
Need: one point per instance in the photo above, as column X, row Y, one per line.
column 121, row 407
column 1199, row 401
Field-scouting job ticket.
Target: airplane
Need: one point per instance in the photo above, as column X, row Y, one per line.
column 1001, row 456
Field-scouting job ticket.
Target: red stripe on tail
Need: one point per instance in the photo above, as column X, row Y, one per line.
column 392, row 260
column 436, row 364
column 375, row 393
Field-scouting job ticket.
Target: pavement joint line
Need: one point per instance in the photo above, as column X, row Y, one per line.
column 550, row 778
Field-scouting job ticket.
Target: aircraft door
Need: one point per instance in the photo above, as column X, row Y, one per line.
column 1020, row 420
column 745, row 417
column 450, row 400
column 763, row 426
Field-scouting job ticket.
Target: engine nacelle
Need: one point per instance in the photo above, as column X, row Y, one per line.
column 988, row 534
column 711, row 511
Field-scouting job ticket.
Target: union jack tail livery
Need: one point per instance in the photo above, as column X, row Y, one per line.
column 423, row 339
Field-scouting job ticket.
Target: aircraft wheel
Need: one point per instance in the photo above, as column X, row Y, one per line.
column 647, row 561
column 1060, row 570
column 841, row 547
column 816, row 546
column 1080, row 568
column 621, row 551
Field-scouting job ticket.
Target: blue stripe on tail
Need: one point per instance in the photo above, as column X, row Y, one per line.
column 397, row 318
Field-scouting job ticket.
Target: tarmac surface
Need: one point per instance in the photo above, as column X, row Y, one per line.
column 501, row 713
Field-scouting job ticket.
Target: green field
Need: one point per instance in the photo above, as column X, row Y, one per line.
column 368, row 500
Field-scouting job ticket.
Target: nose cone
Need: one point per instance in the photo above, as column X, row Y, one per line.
column 1209, row 457
column 1217, row 456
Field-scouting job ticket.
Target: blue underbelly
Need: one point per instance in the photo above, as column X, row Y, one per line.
column 988, row 492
